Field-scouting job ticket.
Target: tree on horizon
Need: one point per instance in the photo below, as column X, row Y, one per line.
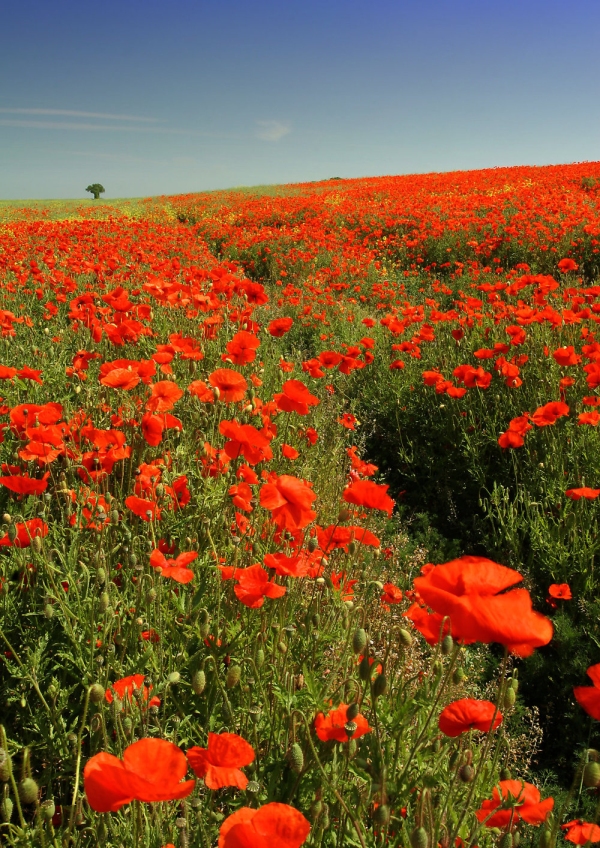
column 96, row 189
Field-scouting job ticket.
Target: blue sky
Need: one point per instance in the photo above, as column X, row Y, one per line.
column 169, row 96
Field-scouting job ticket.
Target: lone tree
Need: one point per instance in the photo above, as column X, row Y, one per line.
column 96, row 189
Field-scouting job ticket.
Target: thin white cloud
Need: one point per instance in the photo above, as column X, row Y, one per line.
column 70, row 125
column 272, row 130
column 71, row 113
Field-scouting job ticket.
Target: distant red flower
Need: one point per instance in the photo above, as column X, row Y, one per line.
column 560, row 590
column 231, row 385
column 253, row 586
column 121, row 378
column 468, row 714
column 566, row 265
column 200, row 390
column 151, row 770
column 164, row 396
column 590, row 418
column 588, row 697
column 369, row 494
column 545, row 416
column 26, row 531
column 246, row 441
column 22, row 484
column 242, row 348
column 273, row 826
column 583, row 492
column 333, row 725
column 580, row 832
column 289, row 452
column 527, row 805
column 295, row 397
column 280, row 326
column 391, row 594
column 348, row 421
column 566, row 356
column 147, row 510
column 125, row 688
column 220, row 763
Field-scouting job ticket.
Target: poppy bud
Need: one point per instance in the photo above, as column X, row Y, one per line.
column 458, row 675
column 282, row 647
column 380, row 685
column 36, row 544
column 152, row 595
column 296, row 758
column 174, row 678
column 381, row 816
column 466, row 774
column 510, row 697
column 447, row 645
column 312, row 545
column 5, row 766
column 405, row 638
column 6, row 808
column 419, row 838
column 234, row 674
column 505, row 774
column 352, row 547
column 97, row 693
column 591, row 774
column 101, row 575
column 436, row 667
column 104, row 602
column 28, row 791
column 7, row 518
column 593, row 755
column 198, row 681
column 454, row 758
column 128, row 726
column 11, row 532
column 47, row 808
column 316, row 619
column 48, row 611
column 315, row 810
column 514, row 684
column 545, row 840
column 114, row 517
column 260, row 658
column 364, row 669
column 352, row 711
column 359, row 641
column 506, row 841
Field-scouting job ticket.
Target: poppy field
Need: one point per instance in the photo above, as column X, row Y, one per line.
column 299, row 515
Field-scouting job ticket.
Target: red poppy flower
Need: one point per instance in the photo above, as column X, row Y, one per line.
column 467, row 590
column 590, row 418
column 231, row 385
column 468, row 714
column 545, row 416
column 289, row 452
column 295, row 397
column 391, row 594
column 567, row 265
column 272, row 825
column 335, row 536
column 121, row 378
column 588, row 697
column 580, row 832
column 200, row 390
column 560, row 590
column 253, row 586
column 147, row 510
column 566, row 356
column 125, row 688
column 22, row 484
column 429, row 624
column 289, row 500
column 583, row 492
column 242, row 348
column 369, row 494
column 26, row 531
column 280, row 326
column 333, row 725
column 527, row 805
column 177, row 568
column 220, row 763
column 165, row 395
column 245, row 440
column 151, row 770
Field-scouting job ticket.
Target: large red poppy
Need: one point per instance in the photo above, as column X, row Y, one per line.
column 231, row 384
column 580, row 832
column 253, row 586
column 165, row 395
column 527, row 805
column 220, row 763
column 468, row 714
column 333, row 725
column 468, row 591
column 26, row 531
column 245, row 440
column 295, row 397
column 588, row 697
column 369, row 494
column 273, row 825
column 177, row 569
column 151, row 770
column 289, row 500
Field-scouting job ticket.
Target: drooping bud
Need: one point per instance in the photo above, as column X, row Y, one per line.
column 296, row 758
column 312, row 545
column 352, row 711
column 234, row 674
column 379, row 685
column 591, row 774
column 505, row 774
column 28, row 791
column 199, row 681
column 364, row 669
column 447, row 645
column 36, row 544
column 466, row 774
column 510, row 697
column 458, row 675
column 5, row 766
column 419, row 838
column 6, row 808
column 359, row 641
column 405, row 638
column 381, row 816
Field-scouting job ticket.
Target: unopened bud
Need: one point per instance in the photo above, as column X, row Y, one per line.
column 28, row 791
column 359, row 641
column 312, row 545
column 5, row 766
column 505, row 774
column 48, row 611
column 6, row 808
column 352, row 711
column 379, row 685
column 234, row 674
column 447, row 645
column 104, row 602
column 344, row 515
column 11, row 532
column 36, row 544
column 506, row 841
column 97, row 693
column 364, row 669
column 296, row 758
column 381, row 816
column 510, row 697
column 419, row 838
column 458, row 675
column 151, row 596
column 466, row 774
column 260, row 658
column 114, row 517
column 174, row 678
column 352, row 547
column 591, row 774
column 198, row 681
column 405, row 638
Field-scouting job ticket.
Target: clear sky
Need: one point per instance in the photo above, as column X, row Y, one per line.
column 167, row 96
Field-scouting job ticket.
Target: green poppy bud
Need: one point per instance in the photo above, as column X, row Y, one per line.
column 510, row 697
column 97, row 693
column 296, row 758
column 151, row 596
column 359, row 641
column 48, row 808
column 6, row 808
column 36, row 544
column 506, row 841
column 199, row 681
column 364, row 669
column 101, row 575
column 419, row 838
column 312, row 545
column 260, row 658
column 234, row 674
column 174, row 678
column 104, row 602
column 48, row 612
column 315, row 810
column 405, row 638
column 381, row 816
column 5, row 766
column 591, row 774
column 379, row 685
column 352, row 711
column 458, row 675
column 505, row 774
column 447, row 645
column 28, row 791
column 466, row 774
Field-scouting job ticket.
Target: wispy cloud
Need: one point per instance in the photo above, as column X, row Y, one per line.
column 86, row 127
column 72, row 113
column 272, row 130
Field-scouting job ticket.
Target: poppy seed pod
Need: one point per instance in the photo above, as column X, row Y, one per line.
column 28, row 791
column 260, row 658
column 47, row 808
column 296, row 758
column 591, row 775
column 506, row 841
column 419, row 838
column 174, row 678
column 234, row 674
column 359, row 641
column 48, row 611
column 101, row 575
column 458, row 675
